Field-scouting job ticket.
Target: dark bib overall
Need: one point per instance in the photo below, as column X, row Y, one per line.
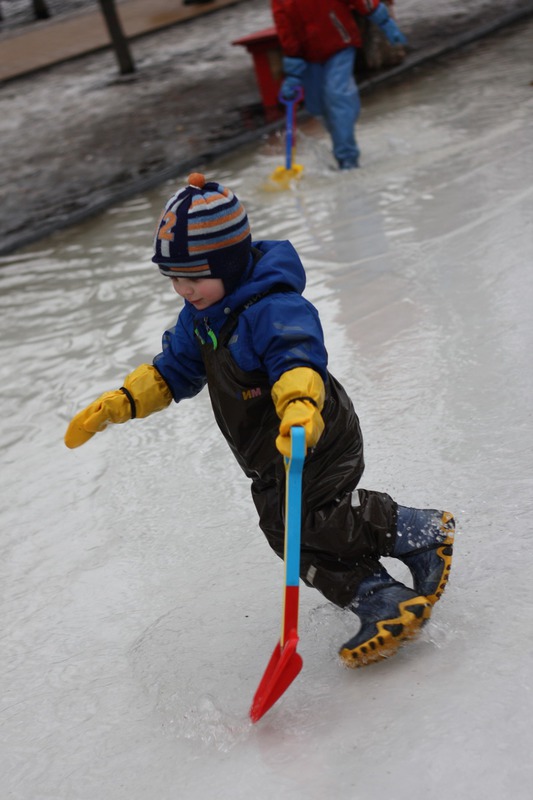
column 341, row 543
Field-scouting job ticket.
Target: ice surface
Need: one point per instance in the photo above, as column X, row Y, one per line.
column 140, row 602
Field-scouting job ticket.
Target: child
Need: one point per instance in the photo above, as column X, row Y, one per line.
column 246, row 331
column 319, row 40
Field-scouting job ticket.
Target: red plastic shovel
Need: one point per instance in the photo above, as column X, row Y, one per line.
column 285, row 663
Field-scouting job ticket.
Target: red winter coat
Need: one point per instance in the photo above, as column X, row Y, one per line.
column 316, row 29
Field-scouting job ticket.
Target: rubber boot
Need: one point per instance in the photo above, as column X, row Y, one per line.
column 424, row 542
column 348, row 163
column 390, row 615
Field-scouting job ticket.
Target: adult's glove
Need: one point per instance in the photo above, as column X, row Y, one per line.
column 387, row 24
column 144, row 392
column 298, row 397
column 290, row 88
column 293, row 70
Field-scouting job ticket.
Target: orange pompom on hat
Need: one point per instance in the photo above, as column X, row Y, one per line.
column 203, row 233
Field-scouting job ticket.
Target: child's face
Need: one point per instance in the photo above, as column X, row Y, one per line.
column 200, row 292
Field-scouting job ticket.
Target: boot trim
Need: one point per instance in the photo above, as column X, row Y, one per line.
column 445, row 553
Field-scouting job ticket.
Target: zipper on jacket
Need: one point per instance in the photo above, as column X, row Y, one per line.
column 345, row 36
column 211, row 333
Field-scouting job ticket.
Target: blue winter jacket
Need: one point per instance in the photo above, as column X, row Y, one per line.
column 278, row 332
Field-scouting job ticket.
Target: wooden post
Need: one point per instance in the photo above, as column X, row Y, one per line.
column 120, row 42
column 40, row 9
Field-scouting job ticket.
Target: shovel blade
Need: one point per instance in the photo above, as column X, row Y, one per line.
column 287, row 174
column 282, row 178
column 283, row 667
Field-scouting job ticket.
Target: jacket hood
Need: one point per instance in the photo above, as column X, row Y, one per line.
column 279, row 265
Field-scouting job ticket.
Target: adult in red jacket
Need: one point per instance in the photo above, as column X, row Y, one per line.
column 319, row 38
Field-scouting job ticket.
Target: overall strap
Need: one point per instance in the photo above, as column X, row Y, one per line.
column 231, row 323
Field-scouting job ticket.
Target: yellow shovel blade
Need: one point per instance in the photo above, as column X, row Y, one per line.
column 282, row 178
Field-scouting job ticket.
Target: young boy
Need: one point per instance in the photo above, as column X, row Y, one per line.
column 246, row 331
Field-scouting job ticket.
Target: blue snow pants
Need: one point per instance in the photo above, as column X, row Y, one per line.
column 332, row 94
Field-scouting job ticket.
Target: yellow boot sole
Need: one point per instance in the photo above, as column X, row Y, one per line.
column 390, row 634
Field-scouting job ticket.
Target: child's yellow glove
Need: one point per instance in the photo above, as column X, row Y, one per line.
column 299, row 398
column 143, row 393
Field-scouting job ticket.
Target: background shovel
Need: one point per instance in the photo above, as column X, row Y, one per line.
column 285, row 663
column 282, row 176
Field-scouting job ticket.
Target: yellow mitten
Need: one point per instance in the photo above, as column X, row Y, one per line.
column 143, row 393
column 298, row 397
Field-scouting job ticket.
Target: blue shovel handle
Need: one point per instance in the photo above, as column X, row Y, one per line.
column 289, row 123
column 293, row 508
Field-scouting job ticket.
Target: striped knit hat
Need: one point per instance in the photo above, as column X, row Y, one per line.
column 203, row 233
